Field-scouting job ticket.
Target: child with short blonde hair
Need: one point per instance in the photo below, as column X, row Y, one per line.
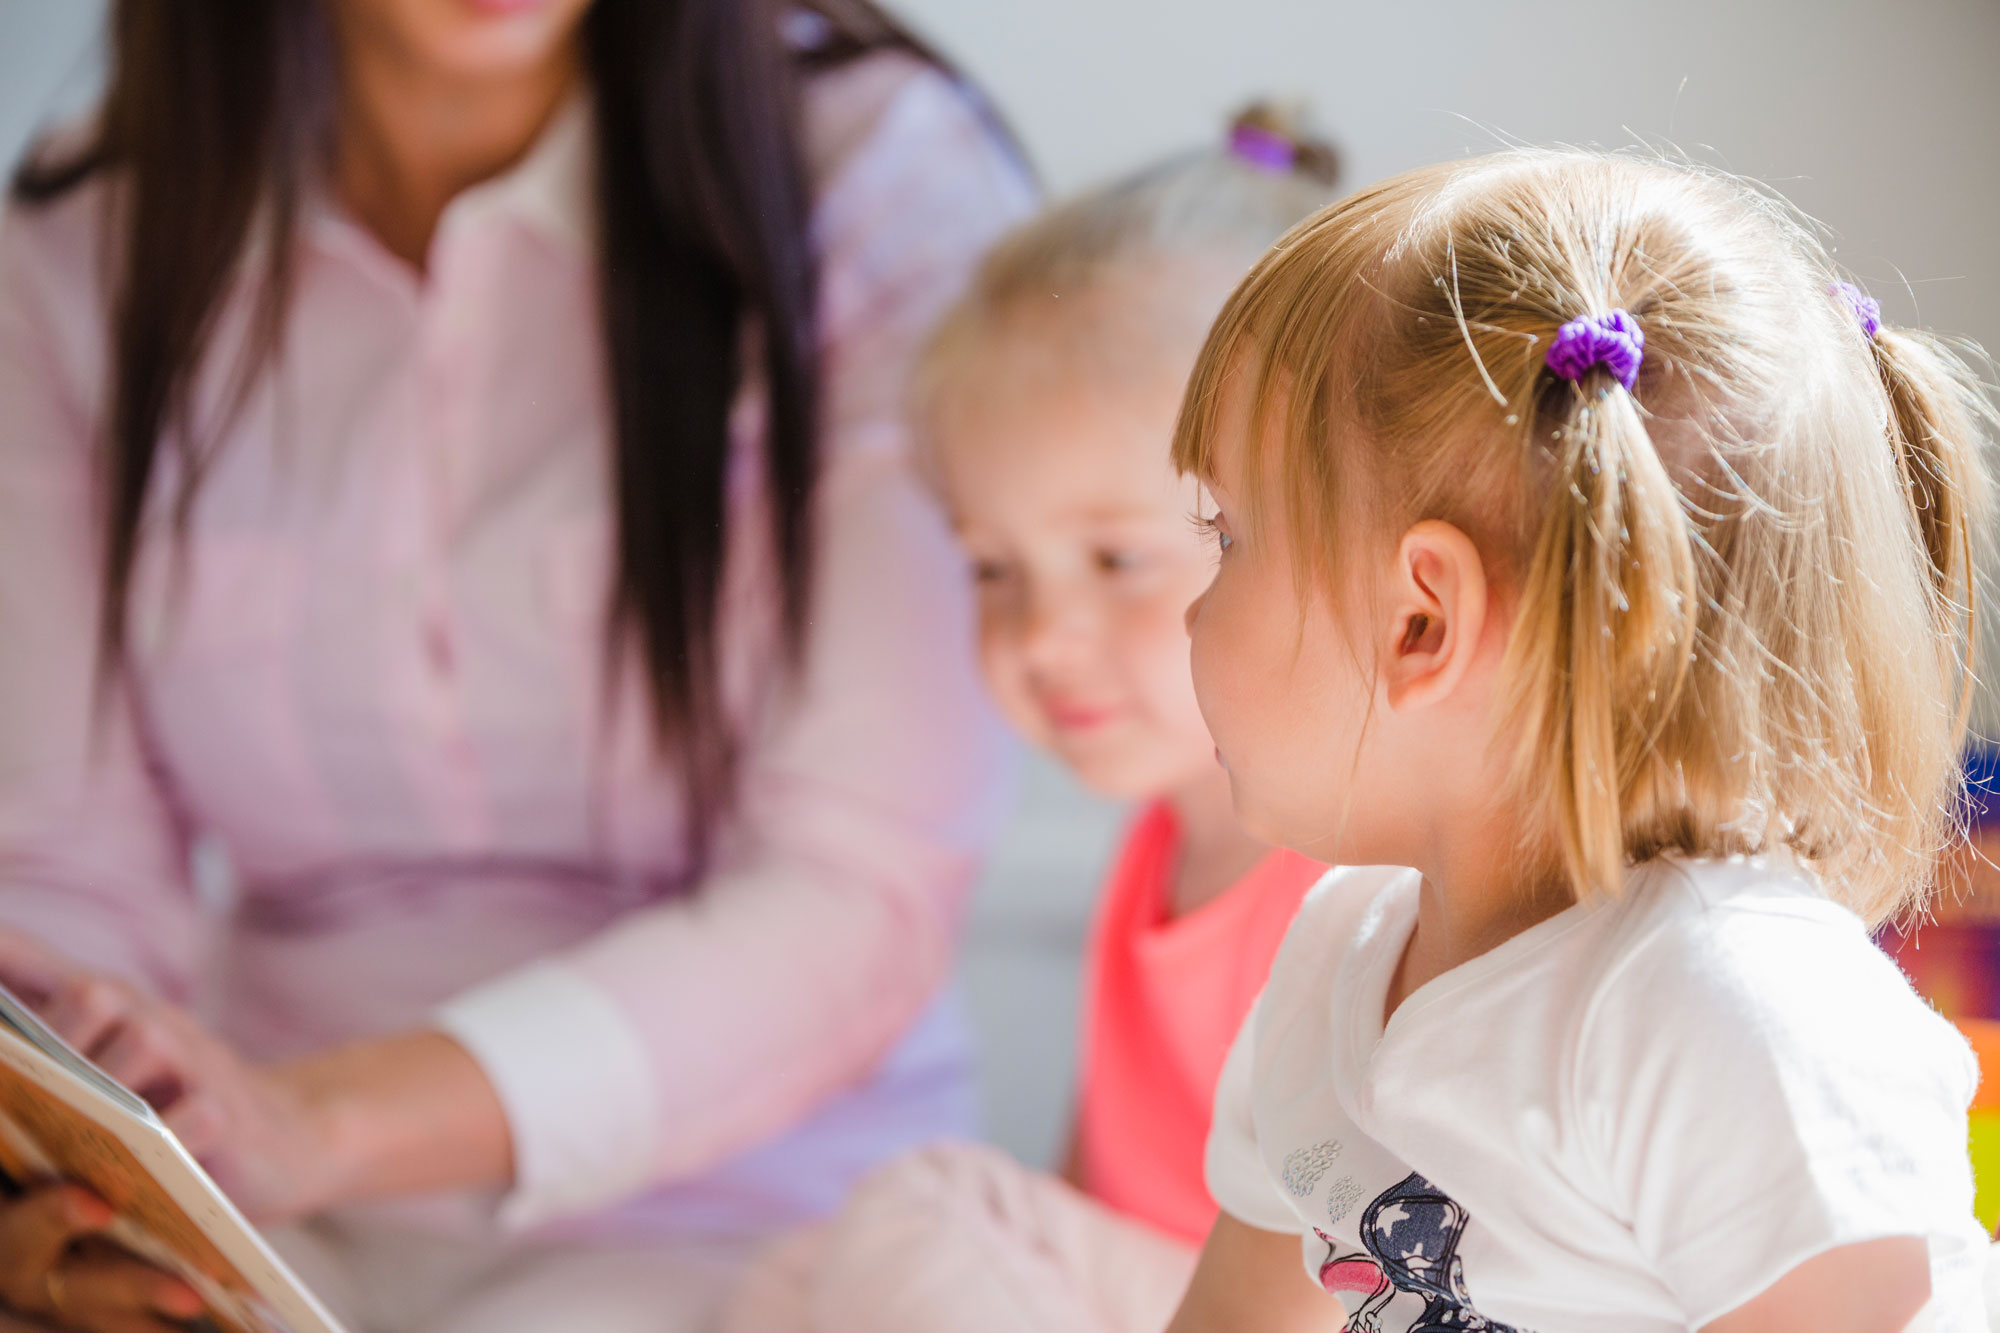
column 1591, row 548
column 1046, row 403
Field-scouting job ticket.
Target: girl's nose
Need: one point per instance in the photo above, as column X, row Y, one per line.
column 1193, row 610
column 1055, row 627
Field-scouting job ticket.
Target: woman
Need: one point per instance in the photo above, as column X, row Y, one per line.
column 467, row 499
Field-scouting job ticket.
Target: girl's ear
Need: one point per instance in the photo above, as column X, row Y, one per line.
column 1437, row 600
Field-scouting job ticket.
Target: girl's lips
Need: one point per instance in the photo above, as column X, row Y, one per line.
column 1074, row 717
column 498, row 8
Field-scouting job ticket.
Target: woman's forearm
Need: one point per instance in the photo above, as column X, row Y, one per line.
column 402, row 1115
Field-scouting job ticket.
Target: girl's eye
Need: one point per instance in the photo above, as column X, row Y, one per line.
column 1214, row 531
column 1118, row 562
column 988, row 571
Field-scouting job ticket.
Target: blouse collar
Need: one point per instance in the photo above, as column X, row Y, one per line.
column 550, row 191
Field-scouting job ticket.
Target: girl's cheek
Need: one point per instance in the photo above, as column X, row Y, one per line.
column 1005, row 669
column 1207, row 659
column 1232, row 662
column 1157, row 651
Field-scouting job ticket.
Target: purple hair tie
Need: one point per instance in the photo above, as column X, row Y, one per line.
column 1614, row 341
column 1264, row 149
column 1866, row 309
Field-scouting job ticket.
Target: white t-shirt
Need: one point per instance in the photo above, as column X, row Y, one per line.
column 1632, row 1117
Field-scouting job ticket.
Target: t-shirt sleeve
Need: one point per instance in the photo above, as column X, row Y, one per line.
column 1760, row 1087
column 1238, row 1179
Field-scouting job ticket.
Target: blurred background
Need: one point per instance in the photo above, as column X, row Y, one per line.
column 1879, row 120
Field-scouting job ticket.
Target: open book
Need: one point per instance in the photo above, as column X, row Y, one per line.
column 61, row 1118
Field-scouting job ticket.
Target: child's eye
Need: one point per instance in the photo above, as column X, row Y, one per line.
column 988, row 571
column 1213, row 531
column 1118, row 562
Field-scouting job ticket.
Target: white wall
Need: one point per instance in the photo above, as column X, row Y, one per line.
column 1878, row 118
column 48, row 63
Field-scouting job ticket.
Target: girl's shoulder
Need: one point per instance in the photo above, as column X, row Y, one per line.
column 1341, row 915
column 1745, row 966
column 1745, row 926
column 1753, row 1082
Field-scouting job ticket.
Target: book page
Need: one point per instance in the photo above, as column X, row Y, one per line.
column 55, row 1127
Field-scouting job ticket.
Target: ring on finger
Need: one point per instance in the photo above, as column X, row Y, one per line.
column 55, row 1288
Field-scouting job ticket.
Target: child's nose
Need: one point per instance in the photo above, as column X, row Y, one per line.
column 1193, row 610
column 1055, row 627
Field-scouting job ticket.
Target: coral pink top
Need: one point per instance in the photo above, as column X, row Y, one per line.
column 1162, row 1004
column 375, row 683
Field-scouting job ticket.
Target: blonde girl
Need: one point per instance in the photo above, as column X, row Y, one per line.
column 1046, row 404
column 1589, row 548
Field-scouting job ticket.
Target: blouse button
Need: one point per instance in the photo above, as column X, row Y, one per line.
column 437, row 647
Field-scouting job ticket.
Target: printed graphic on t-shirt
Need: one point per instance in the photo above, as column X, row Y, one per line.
column 1406, row 1276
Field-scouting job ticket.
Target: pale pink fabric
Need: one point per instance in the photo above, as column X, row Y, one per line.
column 966, row 1240
column 401, row 1279
column 375, row 680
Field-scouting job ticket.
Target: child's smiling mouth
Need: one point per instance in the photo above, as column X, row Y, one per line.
column 1071, row 717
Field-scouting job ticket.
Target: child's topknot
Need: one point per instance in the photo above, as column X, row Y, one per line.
column 1744, row 555
column 1221, row 200
column 1218, row 208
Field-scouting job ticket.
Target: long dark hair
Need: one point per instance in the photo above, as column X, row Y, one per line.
column 212, row 110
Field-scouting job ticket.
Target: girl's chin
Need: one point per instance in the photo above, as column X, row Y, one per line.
column 1256, row 819
column 1115, row 774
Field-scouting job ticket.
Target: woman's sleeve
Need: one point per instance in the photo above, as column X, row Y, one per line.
column 690, row 1032
column 90, row 862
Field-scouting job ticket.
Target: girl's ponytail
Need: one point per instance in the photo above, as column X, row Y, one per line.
column 1602, row 648
column 1935, row 411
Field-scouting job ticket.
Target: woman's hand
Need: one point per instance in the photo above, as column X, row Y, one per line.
column 261, row 1137
column 51, row 1269
column 398, row 1115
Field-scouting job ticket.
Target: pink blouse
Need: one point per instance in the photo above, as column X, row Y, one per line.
column 371, row 685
